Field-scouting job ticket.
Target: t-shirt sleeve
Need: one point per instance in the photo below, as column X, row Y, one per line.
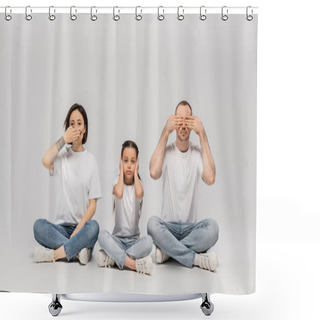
column 57, row 163
column 94, row 188
column 199, row 161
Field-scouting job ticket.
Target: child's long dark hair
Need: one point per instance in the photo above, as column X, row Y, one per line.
column 130, row 144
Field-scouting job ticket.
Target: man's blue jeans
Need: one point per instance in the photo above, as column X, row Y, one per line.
column 53, row 236
column 181, row 241
column 118, row 248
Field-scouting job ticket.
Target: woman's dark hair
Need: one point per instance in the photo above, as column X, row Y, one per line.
column 80, row 108
column 130, row 144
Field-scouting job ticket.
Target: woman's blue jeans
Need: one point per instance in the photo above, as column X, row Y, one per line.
column 53, row 236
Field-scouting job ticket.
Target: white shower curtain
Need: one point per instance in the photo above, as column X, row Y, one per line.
column 129, row 75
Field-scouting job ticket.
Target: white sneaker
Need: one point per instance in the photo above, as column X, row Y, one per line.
column 208, row 261
column 84, row 256
column 42, row 254
column 161, row 257
column 104, row 260
column 144, row 265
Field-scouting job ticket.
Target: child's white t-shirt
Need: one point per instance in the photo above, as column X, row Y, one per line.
column 78, row 181
column 180, row 173
column 127, row 212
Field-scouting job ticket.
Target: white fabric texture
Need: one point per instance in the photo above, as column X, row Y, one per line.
column 129, row 76
column 127, row 212
column 78, row 181
column 180, row 173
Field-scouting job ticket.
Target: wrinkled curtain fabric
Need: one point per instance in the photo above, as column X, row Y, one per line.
column 129, row 75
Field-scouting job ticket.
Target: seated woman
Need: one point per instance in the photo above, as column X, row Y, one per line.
column 74, row 233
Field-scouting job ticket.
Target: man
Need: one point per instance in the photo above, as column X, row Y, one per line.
column 181, row 163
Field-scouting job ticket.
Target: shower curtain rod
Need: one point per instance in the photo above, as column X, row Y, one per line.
column 124, row 9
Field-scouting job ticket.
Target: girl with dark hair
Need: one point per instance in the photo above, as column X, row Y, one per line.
column 74, row 233
column 125, row 247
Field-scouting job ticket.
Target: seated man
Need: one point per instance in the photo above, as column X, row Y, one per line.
column 181, row 163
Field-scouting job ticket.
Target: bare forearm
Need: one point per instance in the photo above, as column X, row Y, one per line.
column 156, row 161
column 49, row 156
column 209, row 168
column 138, row 188
column 87, row 216
column 118, row 188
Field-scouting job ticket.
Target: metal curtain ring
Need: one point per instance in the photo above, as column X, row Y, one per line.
column 27, row 14
column 93, row 17
column 138, row 16
column 180, row 15
column 116, row 17
column 160, row 16
column 73, row 17
column 52, row 16
column 203, row 13
column 7, row 16
column 224, row 13
column 249, row 17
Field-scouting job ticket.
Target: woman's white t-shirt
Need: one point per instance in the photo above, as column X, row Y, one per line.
column 78, row 181
column 127, row 212
column 180, row 173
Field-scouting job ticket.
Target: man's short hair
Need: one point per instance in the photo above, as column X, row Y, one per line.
column 183, row 103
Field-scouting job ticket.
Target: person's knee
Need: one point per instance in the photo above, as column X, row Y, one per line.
column 103, row 236
column 213, row 231
column 93, row 228
column 149, row 242
column 153, row 224
column 38, row 227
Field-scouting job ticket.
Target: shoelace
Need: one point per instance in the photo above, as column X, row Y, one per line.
column 204, row 262
column 142, row 265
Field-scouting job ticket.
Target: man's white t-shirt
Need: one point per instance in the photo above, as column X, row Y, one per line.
column 78, row 180
column 127, row 212
column 180, row 173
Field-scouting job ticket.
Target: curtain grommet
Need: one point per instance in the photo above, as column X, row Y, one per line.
column 7, row 16
column 116, row 17
column 73, row 16
column 28, row 16
column 160, row 16
column 93, row 17
column 52, row 17
column 180, row 13
column 203, row 13
column 249, row 17
column 138, row 16
column 224, row 13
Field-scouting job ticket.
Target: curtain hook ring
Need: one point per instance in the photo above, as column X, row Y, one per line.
column 7, row 16
column 93, row 17
column 116, row 17
column 203, row 13
column 160, row 16
column 73, row 17
column 249, row 17
column 224, row 13
column 51, row 15
column 138, row 16
column 180, row 15
column 28, row 16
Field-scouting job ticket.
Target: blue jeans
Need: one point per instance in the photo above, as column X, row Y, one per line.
column 181, row 241
column 53, row 236
column 118, row 248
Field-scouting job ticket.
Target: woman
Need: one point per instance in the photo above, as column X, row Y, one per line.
column 75, row 233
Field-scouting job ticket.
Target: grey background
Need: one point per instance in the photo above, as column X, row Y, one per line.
column 129, row 76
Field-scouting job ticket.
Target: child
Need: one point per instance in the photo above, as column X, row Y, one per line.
column 125, row 247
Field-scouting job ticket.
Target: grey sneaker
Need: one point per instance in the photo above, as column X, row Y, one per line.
column 144, row 265
column 208, row 261
column 42, row 254
column 161, row 257
column 104, row 260
column 84, row 256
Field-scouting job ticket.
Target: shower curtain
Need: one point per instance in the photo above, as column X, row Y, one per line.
column 129, row 75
